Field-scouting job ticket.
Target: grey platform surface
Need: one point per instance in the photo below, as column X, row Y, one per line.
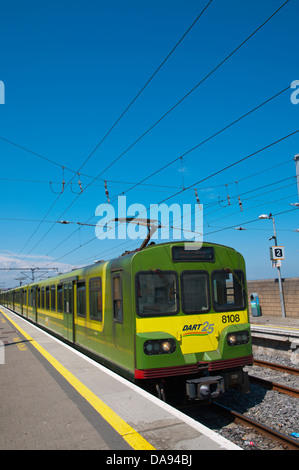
column 40, row 409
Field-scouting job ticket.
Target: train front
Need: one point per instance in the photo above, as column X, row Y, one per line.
column 192, row 324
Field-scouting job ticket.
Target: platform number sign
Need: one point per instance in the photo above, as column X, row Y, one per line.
column 277, row 253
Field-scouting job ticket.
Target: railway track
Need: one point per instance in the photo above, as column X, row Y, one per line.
column 220, row 415
column 286, row 441
column 274, row 386
column 274, row 366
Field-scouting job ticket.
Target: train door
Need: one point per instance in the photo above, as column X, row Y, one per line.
column 123, row 324
column 68, row 310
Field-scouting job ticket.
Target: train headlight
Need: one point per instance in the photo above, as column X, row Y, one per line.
column 238, row 338
column 159, row 346
column 166, row 346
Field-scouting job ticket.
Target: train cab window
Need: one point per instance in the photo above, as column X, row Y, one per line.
column 53, row 302
column 47, row 297
column 195, row 292
column 156, row 293
column 81, row 299
column 228, row 290
column 59, row 298
column 117, row 299
column 95, row 298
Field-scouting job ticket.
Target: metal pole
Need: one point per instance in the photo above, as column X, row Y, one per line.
column 275, row 237
column 281, row 293
column 279, row 277
column 297, row 170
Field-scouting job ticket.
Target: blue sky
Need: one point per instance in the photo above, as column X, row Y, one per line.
column 71, row 68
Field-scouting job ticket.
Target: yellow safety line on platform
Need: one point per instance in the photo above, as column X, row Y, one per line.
column 133, row 438
column 275, row 326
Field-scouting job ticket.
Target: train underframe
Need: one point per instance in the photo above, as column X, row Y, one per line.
column 204, row 386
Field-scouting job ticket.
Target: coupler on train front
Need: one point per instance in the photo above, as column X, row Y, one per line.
column 211, row 387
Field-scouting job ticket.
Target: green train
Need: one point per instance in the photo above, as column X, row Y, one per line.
column 172, row 319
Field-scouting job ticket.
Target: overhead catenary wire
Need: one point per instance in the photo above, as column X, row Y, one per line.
column 233, row 164
column 218, row 230
column 186, row 153
column 212, row 136
column 22, row 147
column 225, row 59
column 170, row 110
column 111, row 128
column 192, row 90
column 149, row 185
column 200, row 181
column 67, row 222
column 248, row 222
column 144, row 86
column 113, row 191
column 251, row 207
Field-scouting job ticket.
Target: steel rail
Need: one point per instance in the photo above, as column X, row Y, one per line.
column 293, row 392
column 272, row 365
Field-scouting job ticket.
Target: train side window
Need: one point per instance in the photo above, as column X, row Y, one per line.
column 59, row 298
column 195, row 292
column 81, row 299
column 53, row 303
column 43, row 297
column 117, row 299
column 38, row 298
column 95, row 298
column 33, row 298
column 228, row 290
column 47, row 297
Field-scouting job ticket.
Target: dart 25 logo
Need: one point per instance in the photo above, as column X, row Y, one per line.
column 201, row 329
column 295, row 94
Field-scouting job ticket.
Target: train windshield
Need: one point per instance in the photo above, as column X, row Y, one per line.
column 157, row 293
column 195, row 292
column 228, row 290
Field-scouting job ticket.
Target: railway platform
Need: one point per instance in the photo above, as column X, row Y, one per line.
column 275, row 326
column 276, row 336
column 266, row 320
column 54, row 398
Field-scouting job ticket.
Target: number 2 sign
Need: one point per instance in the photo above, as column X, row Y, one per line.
column 277, row 253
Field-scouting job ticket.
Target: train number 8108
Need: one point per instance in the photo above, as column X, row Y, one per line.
column 231, row 318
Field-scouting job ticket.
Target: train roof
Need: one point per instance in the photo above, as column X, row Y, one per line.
column 115, row 263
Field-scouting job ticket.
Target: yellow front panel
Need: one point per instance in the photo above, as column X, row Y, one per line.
column 195, row 333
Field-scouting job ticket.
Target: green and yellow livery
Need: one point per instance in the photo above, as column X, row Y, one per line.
column 173, row 318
